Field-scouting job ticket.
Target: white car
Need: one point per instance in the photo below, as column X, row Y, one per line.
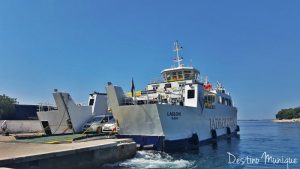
column 110, row 128
column 96, row 123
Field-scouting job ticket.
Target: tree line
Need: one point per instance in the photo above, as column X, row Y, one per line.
column 7, row 106
column 291, row 113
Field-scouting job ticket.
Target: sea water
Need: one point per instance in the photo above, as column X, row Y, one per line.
column 261, row 144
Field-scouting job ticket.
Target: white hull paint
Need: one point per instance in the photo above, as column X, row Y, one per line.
column 174, row 122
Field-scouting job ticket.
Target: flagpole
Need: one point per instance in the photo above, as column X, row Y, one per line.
column 133, row 91
column 147, row 96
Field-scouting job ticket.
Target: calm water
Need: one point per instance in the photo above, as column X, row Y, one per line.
column 256, row 137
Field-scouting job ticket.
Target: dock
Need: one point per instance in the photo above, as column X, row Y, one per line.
column 75, row 155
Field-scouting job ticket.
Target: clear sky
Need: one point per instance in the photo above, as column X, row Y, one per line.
column 251, row 47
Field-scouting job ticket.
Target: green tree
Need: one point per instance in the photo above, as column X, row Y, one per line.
column 7, row 106
column 290, row 113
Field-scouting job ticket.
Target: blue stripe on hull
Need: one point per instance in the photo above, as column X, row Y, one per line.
column 160, row 144
column 156, row 141
column 182, row 144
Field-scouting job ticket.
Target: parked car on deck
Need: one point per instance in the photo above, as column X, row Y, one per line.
column 110, row 128
column 96, row 123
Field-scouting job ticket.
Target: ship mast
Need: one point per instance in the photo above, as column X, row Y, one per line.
column 178, row 59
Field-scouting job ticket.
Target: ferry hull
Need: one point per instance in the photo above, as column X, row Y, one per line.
column 167, row 127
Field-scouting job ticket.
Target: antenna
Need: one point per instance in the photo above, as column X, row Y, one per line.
column 178, row 59
column 206, row 80
column 219, row 84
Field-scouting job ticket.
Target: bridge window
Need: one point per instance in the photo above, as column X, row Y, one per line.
column 168, row 76
column 187, row 74
column 174, row 75
column 180, row 75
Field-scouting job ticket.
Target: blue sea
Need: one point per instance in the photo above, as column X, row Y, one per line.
column 261, row 144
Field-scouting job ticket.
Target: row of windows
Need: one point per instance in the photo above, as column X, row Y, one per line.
column 167, row 85
column 210, row 99
column 225, row 101
column 180, row 75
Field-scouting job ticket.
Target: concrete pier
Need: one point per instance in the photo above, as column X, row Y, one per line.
column 81, row 155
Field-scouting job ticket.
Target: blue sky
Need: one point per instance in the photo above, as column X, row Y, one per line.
column 251, row 47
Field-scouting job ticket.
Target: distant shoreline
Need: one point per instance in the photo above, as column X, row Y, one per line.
column 286, row 120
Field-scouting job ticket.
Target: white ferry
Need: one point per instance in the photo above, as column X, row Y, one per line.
column 179, row 113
